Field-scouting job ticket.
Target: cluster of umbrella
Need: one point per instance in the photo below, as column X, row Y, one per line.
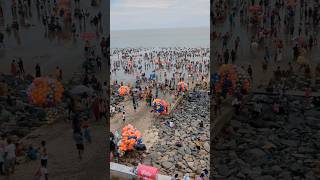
column 130, row 137
column 182, row 87
column 161, row 106
column 45, row 92
column 124, row 90
column 229, row 79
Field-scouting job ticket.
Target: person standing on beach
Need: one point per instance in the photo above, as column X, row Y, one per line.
column 233, row 56
column 123, row 116
column 103, row 44
column 250, row 72
column 99, row 63
column 1, row 39
column 102, row 109
column 38, row 70
column 13, row 68
column 71, row 106
column 226, row 56
column 43, row 154
column 133, row 101
column 21, row 67
column 78, row 138
column 95, row 108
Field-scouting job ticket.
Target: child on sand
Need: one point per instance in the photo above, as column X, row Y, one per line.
column 123, row 116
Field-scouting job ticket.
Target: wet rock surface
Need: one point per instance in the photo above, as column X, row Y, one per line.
column 274, row 146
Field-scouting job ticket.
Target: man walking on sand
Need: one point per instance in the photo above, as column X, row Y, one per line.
column 43, row 154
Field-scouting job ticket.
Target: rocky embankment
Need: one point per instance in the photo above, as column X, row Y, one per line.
column 273, row 147
column 184, row 148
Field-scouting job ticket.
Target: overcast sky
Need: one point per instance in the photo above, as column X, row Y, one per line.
column 154, row 14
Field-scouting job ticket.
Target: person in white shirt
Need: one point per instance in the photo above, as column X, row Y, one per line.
column 258, row 108
column 9, row 157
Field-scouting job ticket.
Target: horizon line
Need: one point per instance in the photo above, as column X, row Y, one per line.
column 137, row 29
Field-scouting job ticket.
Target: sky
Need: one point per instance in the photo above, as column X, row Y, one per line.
column 155, row 14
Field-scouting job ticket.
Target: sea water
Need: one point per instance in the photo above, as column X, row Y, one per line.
column 175, row 37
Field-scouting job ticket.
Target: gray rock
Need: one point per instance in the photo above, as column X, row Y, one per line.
column 310, row 175
column 295, row 167
column 5, row 115
column 167, row 165
column 206, row 146
column 235, row 124
column 255, row 155
column 306, row 150
column 252, row 172
column 223, row 170
column 268, row 177
column 276, row 169
column 187, row 150
column 290, row 143
column 285, row 175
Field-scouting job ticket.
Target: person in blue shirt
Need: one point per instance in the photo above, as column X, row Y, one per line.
column 32, row 153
